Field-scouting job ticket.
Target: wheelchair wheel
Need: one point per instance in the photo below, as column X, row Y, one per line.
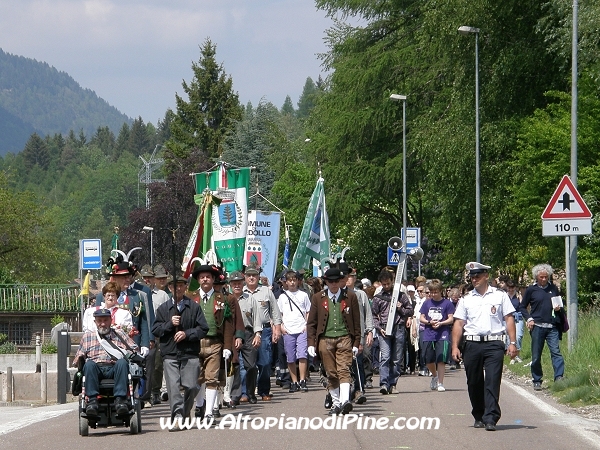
column 84, row 429
column 135, row 423
column 138, row 408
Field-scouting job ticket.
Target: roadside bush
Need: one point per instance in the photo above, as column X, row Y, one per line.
column 7, row 348
column 49, row 347
column 56, row 320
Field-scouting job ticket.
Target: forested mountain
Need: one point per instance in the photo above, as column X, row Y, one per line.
column 35, row 97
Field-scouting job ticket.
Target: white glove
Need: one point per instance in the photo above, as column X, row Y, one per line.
column 226, row 354
column 144, row 351
column 354, row 351
column 311, row 351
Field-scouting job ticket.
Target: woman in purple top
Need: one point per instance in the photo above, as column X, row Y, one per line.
column 437, row 317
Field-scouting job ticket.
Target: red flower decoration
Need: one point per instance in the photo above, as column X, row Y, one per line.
column 343, row 305
column 325, row 304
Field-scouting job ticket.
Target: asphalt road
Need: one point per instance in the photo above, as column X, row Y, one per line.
column 529, row 420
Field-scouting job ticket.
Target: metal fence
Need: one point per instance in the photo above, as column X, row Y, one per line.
column 39, row 298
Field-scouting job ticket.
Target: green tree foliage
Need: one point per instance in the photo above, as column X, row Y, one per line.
column 288, row 106
column 544, row 150
column 208, row 114
column 413, row 48
column 36, row 152
column 28, row 248
column 308, row 98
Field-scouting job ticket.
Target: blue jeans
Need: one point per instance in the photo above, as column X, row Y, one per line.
column 520, row 325
column 540, row 335
column 94, row 373
column 392, row 356
column 264, row 363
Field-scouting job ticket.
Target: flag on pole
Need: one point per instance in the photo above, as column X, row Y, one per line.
column 85, row 287
column 314, row 239
column 229, row 216
column 286, row 250
column 201, row 238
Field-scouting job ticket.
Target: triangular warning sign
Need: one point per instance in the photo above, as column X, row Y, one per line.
column 566, row 203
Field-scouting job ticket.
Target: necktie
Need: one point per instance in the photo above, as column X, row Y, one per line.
column 205, row 298
column 333, row 298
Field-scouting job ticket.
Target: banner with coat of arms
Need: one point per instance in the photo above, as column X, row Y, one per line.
column 230, row 216
column 262, row 242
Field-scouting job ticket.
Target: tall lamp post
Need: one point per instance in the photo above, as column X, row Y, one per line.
column 402, row 98
column 465, row 30
column 150, row 229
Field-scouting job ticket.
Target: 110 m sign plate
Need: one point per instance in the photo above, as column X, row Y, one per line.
column 566, row 227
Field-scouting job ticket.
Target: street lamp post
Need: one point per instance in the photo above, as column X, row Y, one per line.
column 150, row 229
column 465, row 30
column 402, row 98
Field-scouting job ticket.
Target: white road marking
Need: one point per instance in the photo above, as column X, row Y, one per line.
column 30, row 419
column 578, row 425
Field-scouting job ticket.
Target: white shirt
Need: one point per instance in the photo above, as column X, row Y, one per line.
column 122, row 318
column 484, row 314
column 294, row 318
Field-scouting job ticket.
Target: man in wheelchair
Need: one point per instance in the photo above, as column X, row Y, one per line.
column 105, row 353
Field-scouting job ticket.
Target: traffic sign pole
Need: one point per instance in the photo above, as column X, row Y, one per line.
column 567, row 215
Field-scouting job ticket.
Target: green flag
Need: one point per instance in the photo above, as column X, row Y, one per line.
column 229, row 218
column 314, row 239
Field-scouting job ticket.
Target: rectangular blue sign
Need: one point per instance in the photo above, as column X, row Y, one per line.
column 90, row 251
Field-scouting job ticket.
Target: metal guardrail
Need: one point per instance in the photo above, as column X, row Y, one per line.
column 40, row 298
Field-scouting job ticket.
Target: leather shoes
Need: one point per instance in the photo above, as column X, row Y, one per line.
column 121, row 407
column 328, row 401
column 267, row 398
column 478, row 424
column 92, row 408
column 334, row 411
column 346, row 408
column 244, row 399
column 199, row 412
column 490, row 427
column 156, row 399
column 252, row 400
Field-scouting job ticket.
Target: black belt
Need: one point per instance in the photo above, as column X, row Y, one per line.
column 267, row 325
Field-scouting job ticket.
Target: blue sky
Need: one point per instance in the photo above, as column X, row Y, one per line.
column 135, row 53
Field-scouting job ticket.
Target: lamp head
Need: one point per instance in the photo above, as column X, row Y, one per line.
column 467, row 30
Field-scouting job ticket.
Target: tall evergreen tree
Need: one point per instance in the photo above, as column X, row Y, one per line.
column 139, row 142
column 210, row 111
column 288, row 106
column 36, row 152
column 307, row 99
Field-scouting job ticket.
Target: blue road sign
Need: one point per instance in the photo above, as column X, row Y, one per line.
column 393, row 257
column 90, row 254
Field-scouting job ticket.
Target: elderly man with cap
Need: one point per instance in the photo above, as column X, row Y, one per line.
column 179, row 326
column 219, row 340
column 334, row 329
column 270, row 317
column 485, row 315
column 102, row 360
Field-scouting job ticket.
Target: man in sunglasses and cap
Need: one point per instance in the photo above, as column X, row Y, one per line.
column 334, row 330
column 486, row 316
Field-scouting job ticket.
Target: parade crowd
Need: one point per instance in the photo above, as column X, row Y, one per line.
column 219, row 345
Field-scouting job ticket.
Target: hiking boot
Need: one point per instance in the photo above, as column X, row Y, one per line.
column 537, row 385
column 294, row 387
column 121, row 406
